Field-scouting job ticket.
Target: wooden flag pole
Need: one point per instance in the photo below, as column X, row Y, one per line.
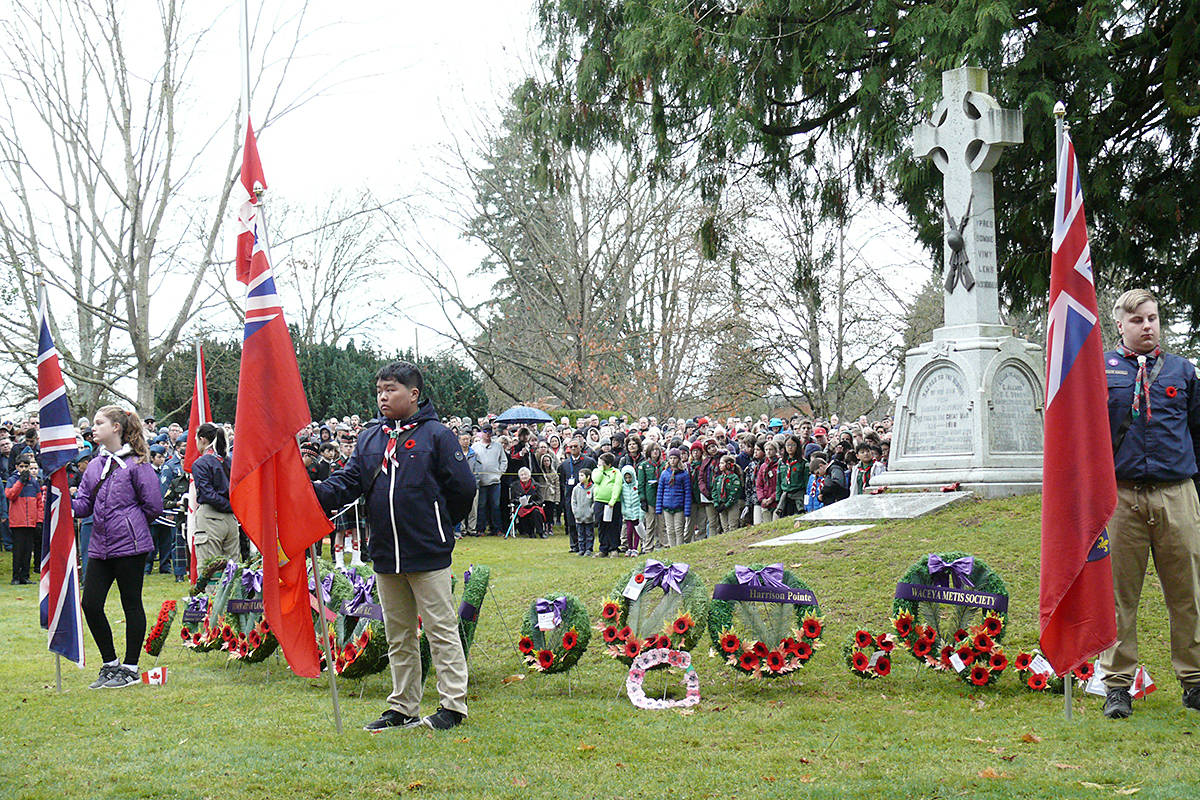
column 337, row 711
column 58, row 672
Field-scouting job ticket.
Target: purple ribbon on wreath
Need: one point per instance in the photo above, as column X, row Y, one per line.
column 467, row 575
column 362, row 589
column 227, row 575
column 959, row 569
column 326, row 586
column 667, row 578
column 556, row 607
column 252, row 581
column 197, row 605
column 770, row 575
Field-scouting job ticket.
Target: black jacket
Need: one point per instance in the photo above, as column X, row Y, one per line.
column 211, row 475
column 412, row 508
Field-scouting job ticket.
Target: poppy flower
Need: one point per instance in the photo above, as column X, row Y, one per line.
column 632, row 648
column 982, row 642
column 803, row 651
column 350, row 653
column 195, row 638
column 624, row 633
column 1037, row 681
column 789, row 645
column 1172, row 391
column 959, row 635
column 339, row 664
column 884, row 642
column 226, row 631
column 1021, row 662
column 748, row 661
column 979, row 675
column 998, row 662
column 811, row 628
column 760, row 649
column 662, row 641
column 883, row 666
column 992, row 625
column 675, row 658
column 860, row 662
column 903, row 625
column 967, row 655
column 775, row 661
column 570, row 639
column 545, row 658
column 525, row 645
column 1084, row 671
column 945, row 655
column 609, row 634
column 185, row 634
column 266, row 628
column 410, row 444
column 682, row 625
column 610, row 611
column 864, row 639
column 929, row 634
column 921, row 648
column 254, row 641
column 730, row 643
column 639, row 578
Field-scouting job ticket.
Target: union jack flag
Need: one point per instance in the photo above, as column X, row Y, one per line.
column 58, row 590
column 1078, row 617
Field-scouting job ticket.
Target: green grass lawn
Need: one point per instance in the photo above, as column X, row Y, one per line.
column 218, row 731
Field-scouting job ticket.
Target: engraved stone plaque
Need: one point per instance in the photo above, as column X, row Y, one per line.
column 941, row 416
column 1016, row 426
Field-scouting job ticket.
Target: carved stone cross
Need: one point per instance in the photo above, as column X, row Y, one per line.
column 964, row 138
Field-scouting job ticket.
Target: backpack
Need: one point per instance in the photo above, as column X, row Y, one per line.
column 835, row 487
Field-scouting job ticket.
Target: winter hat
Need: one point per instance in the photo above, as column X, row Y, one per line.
column 697, row 446
column 675, row 451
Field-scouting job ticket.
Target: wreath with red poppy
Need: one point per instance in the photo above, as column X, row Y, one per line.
column 869, row 655
column 561, row 647
column 162, row 626
column 932, row 632
column 1037, row 675
column 756, row 647
column 628, row 628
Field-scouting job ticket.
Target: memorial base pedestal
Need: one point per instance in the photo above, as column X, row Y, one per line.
column 970, row 413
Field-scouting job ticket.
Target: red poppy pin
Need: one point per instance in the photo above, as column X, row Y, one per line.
column 639, row 578
column 1172, row 391
column 410, row 444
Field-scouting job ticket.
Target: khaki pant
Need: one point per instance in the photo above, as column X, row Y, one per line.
column 1163, row 519
column 763, row 515
column 675, row 523
column 730, row 518
column 216, row 535
column 709, row 523
column 654, row 529
column 403, row 597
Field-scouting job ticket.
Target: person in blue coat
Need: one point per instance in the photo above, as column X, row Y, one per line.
column 674, row 500
column 418, row 486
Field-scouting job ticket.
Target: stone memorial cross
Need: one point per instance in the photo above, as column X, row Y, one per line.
column 964, row 137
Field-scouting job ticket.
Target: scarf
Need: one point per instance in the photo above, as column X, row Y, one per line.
column 111, row 458
column 389, row 452
column 1141, row 387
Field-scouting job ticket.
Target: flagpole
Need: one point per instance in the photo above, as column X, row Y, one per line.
column 246, row 56
column 1060, row 112
column 337, row 711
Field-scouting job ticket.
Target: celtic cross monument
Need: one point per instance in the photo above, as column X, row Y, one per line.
column 971, row 409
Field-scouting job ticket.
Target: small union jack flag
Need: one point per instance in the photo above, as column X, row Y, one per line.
column 58, row 591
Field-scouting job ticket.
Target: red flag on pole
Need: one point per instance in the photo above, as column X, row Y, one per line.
column 201, row 413
column 270, row 491
column 1078, row 617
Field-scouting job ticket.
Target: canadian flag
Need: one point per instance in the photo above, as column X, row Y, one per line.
column 155, row 677
column 1143, row 684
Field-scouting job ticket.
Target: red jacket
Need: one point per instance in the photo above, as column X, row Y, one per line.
column 24, row 511
column 764, row 483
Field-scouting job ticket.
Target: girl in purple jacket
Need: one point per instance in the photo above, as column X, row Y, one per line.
column 120, row 492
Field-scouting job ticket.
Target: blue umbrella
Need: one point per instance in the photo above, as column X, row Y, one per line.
column 524, row 415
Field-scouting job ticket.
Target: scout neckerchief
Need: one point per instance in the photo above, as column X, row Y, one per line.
column 389, row 452
column 111, row 459
column 1142, row 386
column 863, row 479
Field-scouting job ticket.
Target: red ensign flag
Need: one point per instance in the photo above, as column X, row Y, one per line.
column 269, row 487
column 1078, row 616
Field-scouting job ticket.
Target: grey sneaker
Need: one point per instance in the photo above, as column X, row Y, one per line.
column 121, row 677
column 392, row 719
column 105, row 674
column 1191, row 698
column 1118, row 704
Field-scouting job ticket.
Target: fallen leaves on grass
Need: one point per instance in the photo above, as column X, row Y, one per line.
column 685, row 712
column 1065, row 766
column 769, row 778
column 1129, row 790
column 519, row 781
column 586, row 748
column 806, row 778
column 1030, row 737
column 989, row 772
column 414, row 785
column 512, row 679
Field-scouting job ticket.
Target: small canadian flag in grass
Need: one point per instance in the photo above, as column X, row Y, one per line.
column 155, row 677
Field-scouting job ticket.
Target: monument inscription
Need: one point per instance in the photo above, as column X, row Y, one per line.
column 940, row 421
column 1016, row 426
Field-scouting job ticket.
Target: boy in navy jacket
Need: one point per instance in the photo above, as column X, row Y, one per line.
column 417, row 486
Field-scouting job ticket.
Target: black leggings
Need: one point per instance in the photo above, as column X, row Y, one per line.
column 127, row 571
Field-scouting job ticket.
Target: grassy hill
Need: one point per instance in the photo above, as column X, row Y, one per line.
column 223, row 731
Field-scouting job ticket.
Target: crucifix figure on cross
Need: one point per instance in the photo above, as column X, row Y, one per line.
column 964, row 137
